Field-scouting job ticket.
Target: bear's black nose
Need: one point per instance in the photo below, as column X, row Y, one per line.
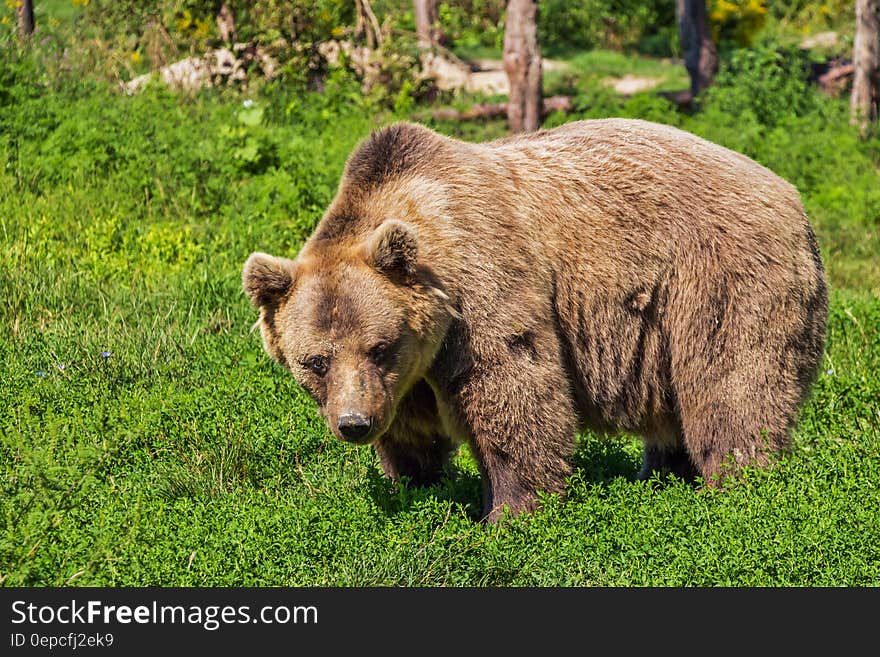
column 354, row 426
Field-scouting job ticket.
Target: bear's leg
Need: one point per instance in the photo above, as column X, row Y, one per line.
column 414, row 446
column 720, row 438
column 522, row 424
column 667, row 460
column 742, row 351
column 421, row 459
column 736, row 410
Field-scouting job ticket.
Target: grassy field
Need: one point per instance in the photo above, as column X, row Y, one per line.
column 147, row 439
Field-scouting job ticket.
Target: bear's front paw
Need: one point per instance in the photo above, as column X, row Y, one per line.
column 509, row 508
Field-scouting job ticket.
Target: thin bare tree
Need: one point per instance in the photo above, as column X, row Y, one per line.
column 367, row 24
column 426, row 22
column 522, row 62
column 865, row 99
column 700, row 56
column 226, row 23
column 25, row 11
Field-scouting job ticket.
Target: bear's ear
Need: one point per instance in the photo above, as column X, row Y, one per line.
column 265, row 278
column 393, row 249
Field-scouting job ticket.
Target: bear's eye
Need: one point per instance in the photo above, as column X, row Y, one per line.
column 316, row 364
column 378, row 352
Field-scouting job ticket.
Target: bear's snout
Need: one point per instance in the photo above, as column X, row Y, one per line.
column 354, row 427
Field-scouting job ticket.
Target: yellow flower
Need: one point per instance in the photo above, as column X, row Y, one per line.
column 756, row 7
column 184, row 21
column 135, row 56
column 203, row 29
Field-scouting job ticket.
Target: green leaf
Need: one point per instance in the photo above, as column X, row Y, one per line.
column 251, row 117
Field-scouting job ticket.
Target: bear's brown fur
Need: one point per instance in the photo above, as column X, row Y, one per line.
column 611, row 274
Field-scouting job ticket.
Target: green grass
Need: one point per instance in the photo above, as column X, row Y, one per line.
column 62, row 11
column 146, row 439
column 586, row 69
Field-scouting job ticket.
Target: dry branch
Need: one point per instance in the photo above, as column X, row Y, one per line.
column 835, row 80
column 499, row 110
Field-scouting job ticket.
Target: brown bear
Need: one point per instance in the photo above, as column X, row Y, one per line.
column 616, row 275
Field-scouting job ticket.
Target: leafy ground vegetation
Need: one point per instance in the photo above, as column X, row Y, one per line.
column 145, row 439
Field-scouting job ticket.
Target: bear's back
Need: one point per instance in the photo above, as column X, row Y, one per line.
column 612, row 182
column 652, row 167
column 585, row 191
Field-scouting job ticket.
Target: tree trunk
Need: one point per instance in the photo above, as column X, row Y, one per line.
column 367, row 25
column 865, row 100
column 426, row 22
column 522, row 62
column 25, row 13
column 226, row 24
column 700, row 57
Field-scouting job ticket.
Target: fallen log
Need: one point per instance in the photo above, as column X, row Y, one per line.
column 836, row 79
column 499, row 110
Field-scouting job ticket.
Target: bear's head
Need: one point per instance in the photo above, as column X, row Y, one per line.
column 357, row 322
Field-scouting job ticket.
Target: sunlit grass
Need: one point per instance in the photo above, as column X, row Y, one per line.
column 146, row 439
